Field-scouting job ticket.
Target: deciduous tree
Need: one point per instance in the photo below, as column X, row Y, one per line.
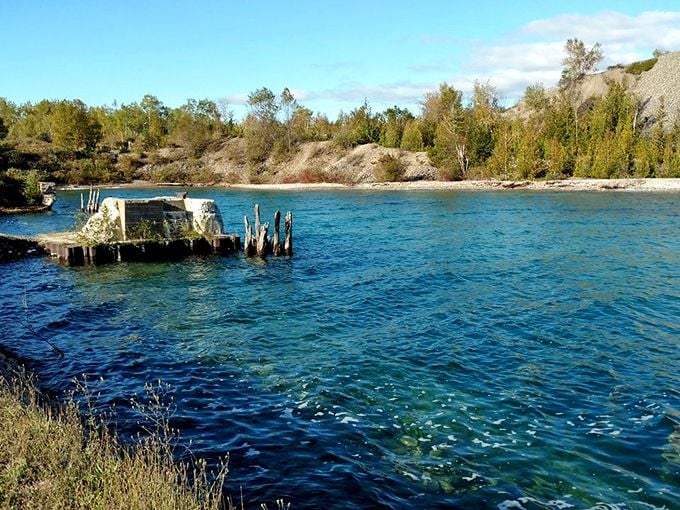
column 579, row 60
column 73, row 128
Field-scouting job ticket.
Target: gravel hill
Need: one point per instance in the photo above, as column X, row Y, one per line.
column 662, row 80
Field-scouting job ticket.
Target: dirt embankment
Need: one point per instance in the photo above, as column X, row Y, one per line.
column 313, row 162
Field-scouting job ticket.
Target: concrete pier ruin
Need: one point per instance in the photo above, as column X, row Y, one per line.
column 154, row 229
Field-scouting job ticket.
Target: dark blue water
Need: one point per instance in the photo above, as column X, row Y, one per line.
column 422, row 350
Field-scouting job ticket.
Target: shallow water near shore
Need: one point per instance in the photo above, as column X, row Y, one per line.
column 421, row 350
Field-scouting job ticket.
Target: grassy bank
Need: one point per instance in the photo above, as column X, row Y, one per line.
column 49, row 458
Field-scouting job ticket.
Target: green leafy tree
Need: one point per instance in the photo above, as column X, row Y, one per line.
column 535, row 97
column 412, row 139
column 393, row 129
column 670, row 167
column 321, row 128
column 261, row 126
column 9, row 113
column 436, row 107
column 365, row 124
column 502, row 160
column 33, row 121
column 483, row 118
column 528, row 155
column 155, row 122
column 579, row 61
column 360, row 127
column 451, row 151
column 32, row 190
column 3, row 129
column 73, row 128
column 288, row 106
column 194, row 125
column 301, row 125
column 126, row 126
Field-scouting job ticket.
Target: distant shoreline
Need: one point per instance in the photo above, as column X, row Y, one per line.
column 648, row 184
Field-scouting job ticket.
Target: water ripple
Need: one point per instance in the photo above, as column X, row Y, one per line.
column 423, row 350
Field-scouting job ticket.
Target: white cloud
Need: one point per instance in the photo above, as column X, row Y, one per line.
column 524, row 56
column 236, row 99
column 532, row 54
column 535, row 52
column 648, row 29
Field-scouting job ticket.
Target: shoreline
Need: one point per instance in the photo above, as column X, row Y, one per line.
column 629, row 184
column 650, row 184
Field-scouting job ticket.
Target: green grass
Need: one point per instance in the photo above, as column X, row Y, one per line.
column 640, row 67
column 50, row 459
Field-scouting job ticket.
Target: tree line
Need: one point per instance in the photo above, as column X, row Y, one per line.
column 559, row 134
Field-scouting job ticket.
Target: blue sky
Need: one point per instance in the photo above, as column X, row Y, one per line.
column 332, row 55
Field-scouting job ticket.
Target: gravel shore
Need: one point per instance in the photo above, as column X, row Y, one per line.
column 561, row 185
column 668, row 185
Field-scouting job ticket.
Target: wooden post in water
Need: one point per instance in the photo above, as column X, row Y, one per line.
column 263, row 245
column 257, row 221
column 96, row 202
column 277, row 250
column 288, row 224
column 249, row 242
column 91, row 201
column 82, row 202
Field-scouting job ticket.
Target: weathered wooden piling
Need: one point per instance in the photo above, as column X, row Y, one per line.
column 261, row 244
column 257, row 221
column 288, row 244
column 92, row 201
column 249, row 242
column 277, row 250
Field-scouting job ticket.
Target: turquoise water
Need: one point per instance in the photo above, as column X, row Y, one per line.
column 422, row 350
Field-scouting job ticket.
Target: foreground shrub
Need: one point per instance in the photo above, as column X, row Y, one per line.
column 389, row 169
column 20, row 188
column 50, row 459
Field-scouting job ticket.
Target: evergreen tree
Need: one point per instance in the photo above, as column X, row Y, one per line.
column 502, row 160
column 528, row 155
column 393, row 129
column 412, row 139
